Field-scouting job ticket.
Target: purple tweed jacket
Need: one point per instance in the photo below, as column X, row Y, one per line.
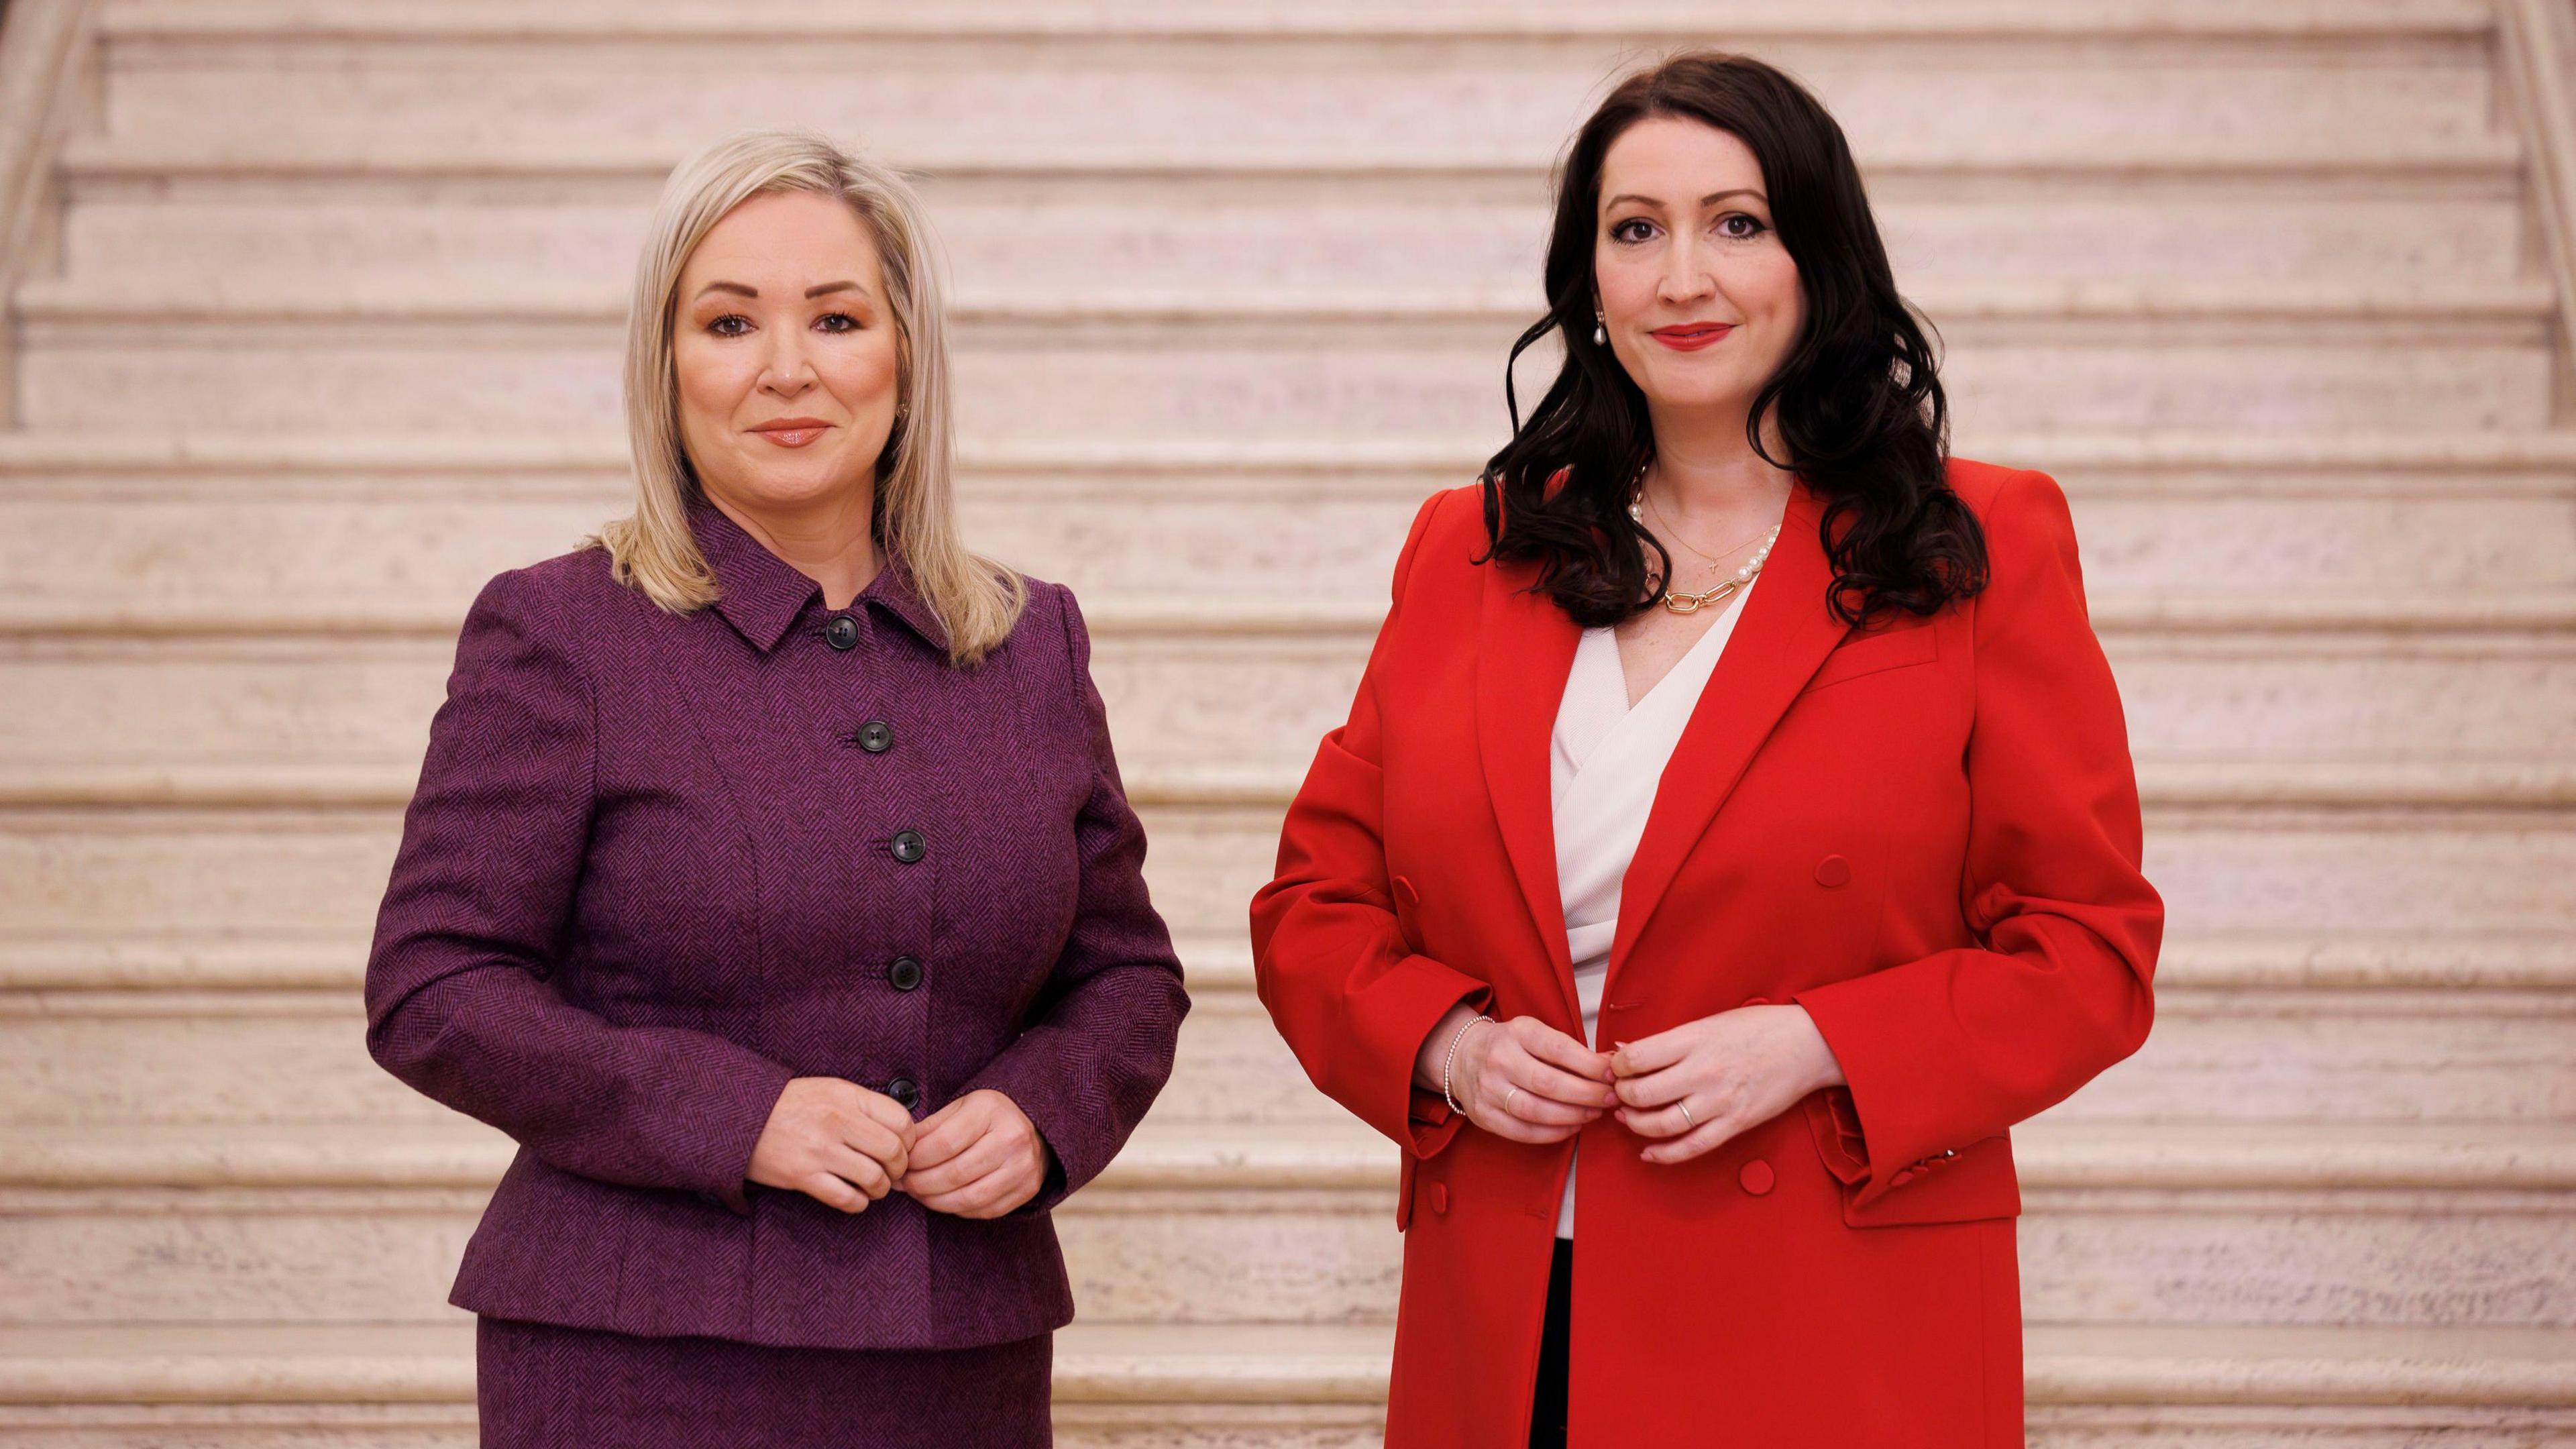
column 658, row 865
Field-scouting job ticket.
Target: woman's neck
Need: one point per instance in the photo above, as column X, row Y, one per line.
column 829, row 542
column 1705, row 468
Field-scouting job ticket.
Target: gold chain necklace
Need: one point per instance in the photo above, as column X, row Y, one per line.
column 1677, row 602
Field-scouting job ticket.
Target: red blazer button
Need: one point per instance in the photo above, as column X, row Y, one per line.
column 1440, row 1197
column 1833, row 872
column 1405, row 892
column 1756, row 1177
column 1757, row 1001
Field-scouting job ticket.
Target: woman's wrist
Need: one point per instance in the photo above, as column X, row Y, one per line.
column 1434, row 1056
column 1828, row 1070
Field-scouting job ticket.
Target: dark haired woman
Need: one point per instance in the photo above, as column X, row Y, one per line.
column 1738, row 802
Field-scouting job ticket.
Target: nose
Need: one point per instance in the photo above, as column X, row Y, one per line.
column 786, row 374
column 1687, row 275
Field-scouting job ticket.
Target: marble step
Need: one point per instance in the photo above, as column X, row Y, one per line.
column 260, row 234
column 2427, row 1224
column 206, row 523
column 934, row 90
column 81, row 1041
column 234, row 870
column 1303, row 1386
column 148, row 701
column 1341, row 364
column 601, row 19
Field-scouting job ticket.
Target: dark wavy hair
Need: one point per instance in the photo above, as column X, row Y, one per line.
column 1857, row 400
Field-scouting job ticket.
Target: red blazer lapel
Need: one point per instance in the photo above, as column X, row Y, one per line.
column 1524, row 651
column 1785, row 633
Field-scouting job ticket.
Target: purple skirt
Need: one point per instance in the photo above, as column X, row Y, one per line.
column 540, row 1384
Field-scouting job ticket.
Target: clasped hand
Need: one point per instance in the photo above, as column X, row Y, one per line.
column 1690, row 1088
column 841, row 1144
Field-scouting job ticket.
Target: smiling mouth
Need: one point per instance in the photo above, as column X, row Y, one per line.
column 794, row 434
column 1693, row 337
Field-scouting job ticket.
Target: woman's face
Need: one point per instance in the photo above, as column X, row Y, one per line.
column 1699, row 298
column 786, row 353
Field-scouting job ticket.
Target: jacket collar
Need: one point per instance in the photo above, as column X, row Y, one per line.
column 761, row 594
column 1526, row 649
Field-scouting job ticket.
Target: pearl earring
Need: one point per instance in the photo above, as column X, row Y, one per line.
column 1600, row 334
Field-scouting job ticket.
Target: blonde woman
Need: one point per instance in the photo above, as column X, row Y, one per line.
column 770, row 881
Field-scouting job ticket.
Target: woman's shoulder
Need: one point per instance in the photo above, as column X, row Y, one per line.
column 2030, row 535
column 579, row 579
column 1448, row 532
column 1050, row 625
column 555, row 607
column 2013, row 501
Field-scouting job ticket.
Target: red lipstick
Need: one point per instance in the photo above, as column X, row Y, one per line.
column 792, row 432
column 1692, row 336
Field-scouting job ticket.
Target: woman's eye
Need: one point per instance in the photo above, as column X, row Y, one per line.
column 839, row 317
column 1634, row 229
column 722, row 325
column 1740, row 226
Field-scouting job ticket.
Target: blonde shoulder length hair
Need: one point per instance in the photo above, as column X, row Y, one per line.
column 977, row 600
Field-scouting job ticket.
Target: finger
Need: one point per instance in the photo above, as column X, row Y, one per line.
column 959, row 1132
column 1539, row 1078
column 1511, row 1099
column 885, row 1109
column 823, row 1187
column 988, row 1196
column 1658, row 1088
column 1651, row 1053
column 983, row 1156
column 1512, row 1127
column 866, row 1134
column 857, row 1168
column 1559, row 1050
column 933, row 1121
column 1669, row 1121
column 1707, row 1137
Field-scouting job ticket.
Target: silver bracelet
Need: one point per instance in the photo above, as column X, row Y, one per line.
column 1450, row 1058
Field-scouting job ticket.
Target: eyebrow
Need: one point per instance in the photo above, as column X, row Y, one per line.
column 1712, row 199
column 810, row 292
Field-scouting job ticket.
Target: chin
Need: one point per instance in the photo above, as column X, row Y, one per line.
column 1702, row 391
column 803, row 485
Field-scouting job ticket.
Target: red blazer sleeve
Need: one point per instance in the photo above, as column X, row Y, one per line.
column 1964, row 1043
column 1352, row 1000
column 458, row 1004
column 1103, row 1037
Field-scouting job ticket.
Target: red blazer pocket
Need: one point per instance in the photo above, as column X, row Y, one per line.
column 1408, row 913
column 1971, row 1182
column 1874, row 653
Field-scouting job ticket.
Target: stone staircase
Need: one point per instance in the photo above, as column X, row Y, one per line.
column 316, row 316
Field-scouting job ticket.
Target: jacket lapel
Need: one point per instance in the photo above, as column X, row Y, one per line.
column 1525, row 649
column 1785, row 633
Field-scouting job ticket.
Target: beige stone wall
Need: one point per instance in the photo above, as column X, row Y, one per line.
column 304, row 293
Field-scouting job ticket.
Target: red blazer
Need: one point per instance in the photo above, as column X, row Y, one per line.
column 1926, row 834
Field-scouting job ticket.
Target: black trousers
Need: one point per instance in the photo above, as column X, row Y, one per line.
column 1547, row 1403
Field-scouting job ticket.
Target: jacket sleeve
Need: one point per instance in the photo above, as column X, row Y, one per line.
column 458, row 1001
column 1353, row 1000
column 1101, row 1044
column 1964, row 1043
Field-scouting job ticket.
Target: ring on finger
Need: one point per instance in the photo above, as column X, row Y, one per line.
column 1686, row 1116
column 1507, row 1100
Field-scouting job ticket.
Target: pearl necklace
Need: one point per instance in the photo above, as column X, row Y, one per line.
column 1677, row 602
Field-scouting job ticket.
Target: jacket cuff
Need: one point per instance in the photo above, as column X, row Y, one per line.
column 1867, row 1110
column 1074, row 1155
column 734, row 1120
column 1428, row 1124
